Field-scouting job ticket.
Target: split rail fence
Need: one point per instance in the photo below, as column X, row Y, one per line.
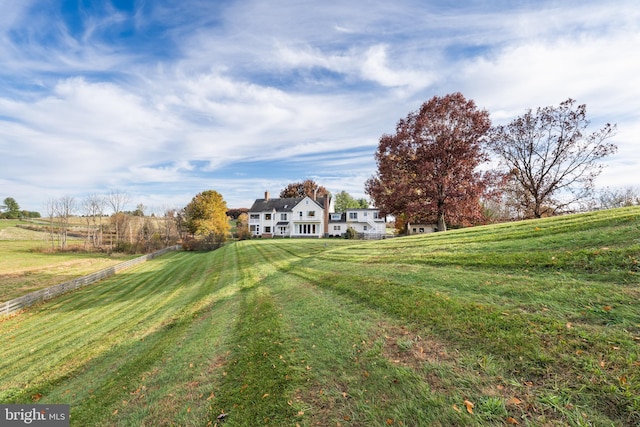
column 19, row 303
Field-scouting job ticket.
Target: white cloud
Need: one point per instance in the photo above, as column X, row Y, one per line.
column 254, row 81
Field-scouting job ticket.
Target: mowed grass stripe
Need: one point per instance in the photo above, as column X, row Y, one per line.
column 69, row 328
column 110, row 298
column 366, row 386
column 108, row 324
column 177, row 385
column 526, row 348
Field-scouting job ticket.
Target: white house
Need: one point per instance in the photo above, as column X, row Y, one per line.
column 289, row 217
column 367, row 222
column 306, row 217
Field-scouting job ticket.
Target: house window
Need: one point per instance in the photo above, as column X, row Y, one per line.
column 336, row 217
column 283, row 217
column 421, row 230
column 365, row 213
column 267, row 217
column 336, row 228
column 307, row 228
column 254, row 216
column 311, row 213
column 365, row 228
column 353, row 215
column 376, row 215
column 267, row 229
column 300, row 214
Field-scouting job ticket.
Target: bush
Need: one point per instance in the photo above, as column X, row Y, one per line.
column 207, row 243
column 351, row 233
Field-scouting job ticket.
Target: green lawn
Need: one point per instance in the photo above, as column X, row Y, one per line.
column 530, row 323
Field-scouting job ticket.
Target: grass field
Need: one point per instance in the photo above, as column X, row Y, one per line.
column 530, row 323
column 24, row 267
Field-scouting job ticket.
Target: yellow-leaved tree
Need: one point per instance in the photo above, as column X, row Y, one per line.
column 206, row 217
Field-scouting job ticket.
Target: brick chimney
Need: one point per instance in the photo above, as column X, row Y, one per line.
column 326, row 215
column 266, row 196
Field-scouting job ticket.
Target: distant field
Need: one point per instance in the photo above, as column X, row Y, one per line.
column 535, row 323
column 24, row 268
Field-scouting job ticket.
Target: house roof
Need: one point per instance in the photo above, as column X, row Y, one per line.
column 281, row 205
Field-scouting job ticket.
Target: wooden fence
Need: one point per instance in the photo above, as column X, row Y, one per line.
column 19, row 303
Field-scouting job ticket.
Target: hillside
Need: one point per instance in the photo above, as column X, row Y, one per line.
column 528, row 323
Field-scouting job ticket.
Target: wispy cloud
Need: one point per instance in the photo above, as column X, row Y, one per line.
column 168, row 98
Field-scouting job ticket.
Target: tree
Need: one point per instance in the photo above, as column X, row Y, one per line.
column 235, row 213
column 427, row 171
column 59, row 211
column 117, row 199
column 345, row 201
column 65, row 207
column 206, row 216
column 11, row 207
column 242, row 226
column 305, row 188
column 550, row 160
column 619, row 197
column 93, row 210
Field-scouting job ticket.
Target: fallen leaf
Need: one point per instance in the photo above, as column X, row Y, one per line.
column 212, row 396
column 300, row 413
column 469, row 406
column 455, row 408
column 346, row 418
column 512, row 421
column 623, row 380
column 115, row 412
column 36, row 397
column 607, row 308
column 265, row 395
column 569, row 325
column 514, row 401
column 389, row 421
column 602, row 363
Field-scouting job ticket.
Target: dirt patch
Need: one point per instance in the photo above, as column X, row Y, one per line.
column 408, row 348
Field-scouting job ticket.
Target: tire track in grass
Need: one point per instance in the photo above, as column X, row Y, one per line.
column 349, row 378
column 258, row 382
column 300, row 356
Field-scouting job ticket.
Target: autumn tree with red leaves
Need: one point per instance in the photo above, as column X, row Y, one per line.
column 550, row 160
column 307, row 187
column 428, row 170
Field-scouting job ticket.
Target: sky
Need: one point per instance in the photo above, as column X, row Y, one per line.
column 163, row 99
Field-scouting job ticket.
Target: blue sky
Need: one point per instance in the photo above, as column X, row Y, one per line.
column 167, row 98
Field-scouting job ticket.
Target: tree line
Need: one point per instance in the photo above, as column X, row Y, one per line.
column 10, row 209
